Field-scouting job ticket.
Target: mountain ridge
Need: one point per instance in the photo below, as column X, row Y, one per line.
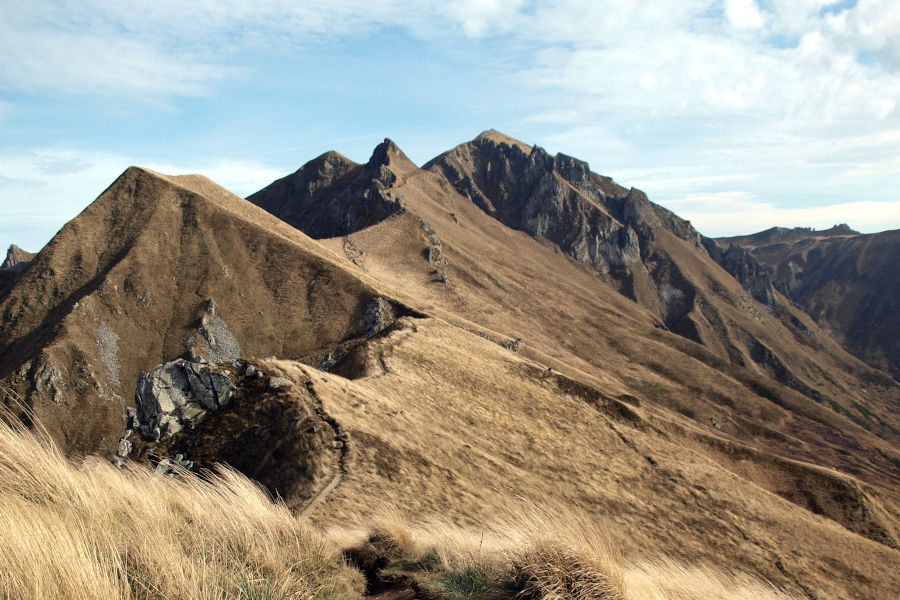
column 441, row 359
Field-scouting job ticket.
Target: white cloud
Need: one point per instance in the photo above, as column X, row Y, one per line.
column 782, row 99
column 743, row 13
column 735, row 213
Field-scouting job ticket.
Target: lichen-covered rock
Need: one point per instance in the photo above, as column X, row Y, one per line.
column 279, row 383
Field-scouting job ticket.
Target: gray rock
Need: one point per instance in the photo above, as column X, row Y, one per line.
column 177, row 393
column 436, row 255
column 214, row 341
column 48, row 380
column 330, row 360
column 379, row 316
column 174, row 465
column 124, row 447
column 279, row 383
column 108, row 344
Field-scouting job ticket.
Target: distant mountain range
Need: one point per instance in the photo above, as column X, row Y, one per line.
column 847, row 281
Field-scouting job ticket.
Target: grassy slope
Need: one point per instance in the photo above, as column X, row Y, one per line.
column 446, row 423
column 90, row 531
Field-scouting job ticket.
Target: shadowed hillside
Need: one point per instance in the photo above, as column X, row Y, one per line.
column 848, row 282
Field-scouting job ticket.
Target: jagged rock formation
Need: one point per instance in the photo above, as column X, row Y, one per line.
column 194, row 416
column 331, row 196
column 176, row 393
column 16, row 259
column 847, row 281
column 741, row 264
column 596, row 221
column 213, row 341
column 379, row 316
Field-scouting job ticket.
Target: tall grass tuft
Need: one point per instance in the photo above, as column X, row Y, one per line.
column 93, row 531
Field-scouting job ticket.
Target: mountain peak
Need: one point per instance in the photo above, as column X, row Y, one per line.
column 388, row 154
column 501, row 138
column 16, row 259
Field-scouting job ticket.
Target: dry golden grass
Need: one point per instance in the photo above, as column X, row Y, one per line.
column 442, row 422
column 91, row 531
column 542, row 554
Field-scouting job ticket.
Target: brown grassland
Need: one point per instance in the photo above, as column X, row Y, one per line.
column 91, row 531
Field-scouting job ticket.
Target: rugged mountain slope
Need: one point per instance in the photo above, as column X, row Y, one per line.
column 16, row 261
column 333, row 196
column 848, row 282
column 627, row 375
column 131, row 282
column 456, row 228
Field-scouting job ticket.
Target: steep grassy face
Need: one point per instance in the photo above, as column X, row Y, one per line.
column 127, row 284
column 443, row 422
column 848, row 282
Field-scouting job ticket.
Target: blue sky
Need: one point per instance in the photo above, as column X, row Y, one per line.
column 737, row 114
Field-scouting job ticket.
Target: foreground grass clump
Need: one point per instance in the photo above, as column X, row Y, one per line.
column 92, row 531
column 537, row 556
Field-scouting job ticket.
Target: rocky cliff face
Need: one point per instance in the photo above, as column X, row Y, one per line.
column 848, row 282
column 744, row 267
column 331, row 196
column 597, row 222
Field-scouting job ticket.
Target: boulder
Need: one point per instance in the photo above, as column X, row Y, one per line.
column 177, row 393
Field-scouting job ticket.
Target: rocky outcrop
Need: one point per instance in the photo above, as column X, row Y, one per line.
column 332, row 196
column 379, row 316
column 16, row 260
column 196, row 416
column 550, row 197
column 213, row 341
column 558, row 198
column 848, row 282
column 744, row 267
column 177, row 393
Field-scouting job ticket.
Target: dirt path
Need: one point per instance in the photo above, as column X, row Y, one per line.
column 339, row 437
column 322, row 495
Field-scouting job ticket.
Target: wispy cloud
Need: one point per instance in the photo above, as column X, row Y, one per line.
column 734, row 213
column 773, row 103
